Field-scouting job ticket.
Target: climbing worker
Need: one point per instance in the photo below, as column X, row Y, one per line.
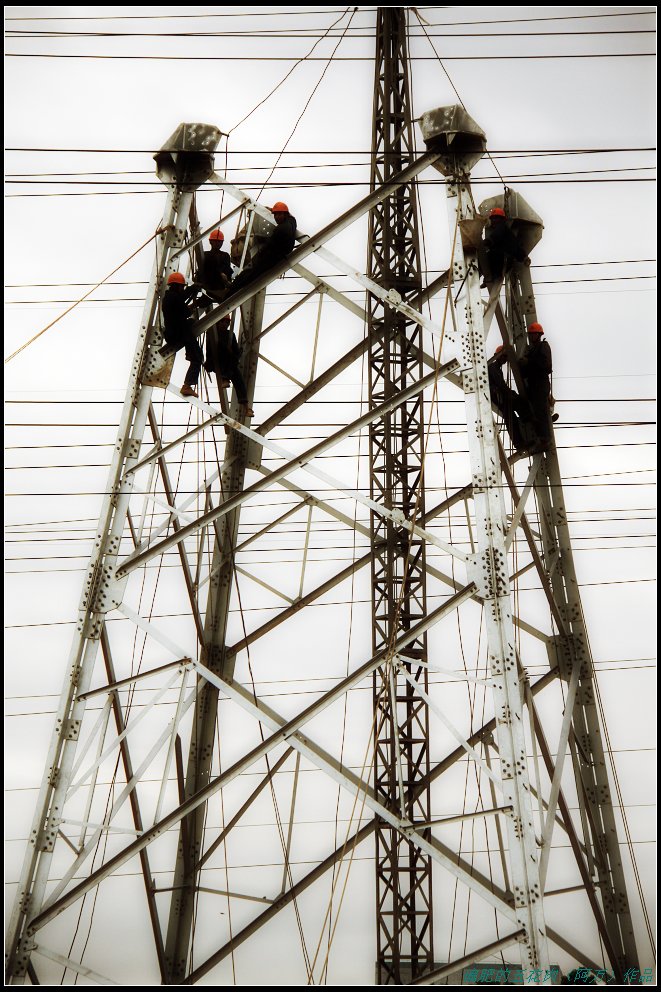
column 506, row 401
column 223, row 359
column 178, row 324
column 499, row 247
column 215, row 273
column 278, row 245
column 536, row 366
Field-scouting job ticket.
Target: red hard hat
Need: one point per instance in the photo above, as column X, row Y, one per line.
column 535, row 329
column 176, row 278
column 499, row 348
column 279, row 208
column 497, row 212
column 216, row 235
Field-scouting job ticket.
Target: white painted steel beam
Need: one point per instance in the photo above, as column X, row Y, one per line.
column 66, row 962
column 98, row 594
column 353, row 784
column 170, row 731
column 295, row 462
column 492, row 578
column 55, row 907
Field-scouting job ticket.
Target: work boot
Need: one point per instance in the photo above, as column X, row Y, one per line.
column 245, row 410
column 555, row 417
column 188, row 390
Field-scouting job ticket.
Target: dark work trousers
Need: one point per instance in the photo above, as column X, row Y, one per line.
column 538, row 397
column 223, row 357
column 508, row 405
column 498, row 250
column 194, row 355
column 491, row 263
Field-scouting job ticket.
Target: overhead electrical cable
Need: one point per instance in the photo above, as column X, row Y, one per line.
column 315, row 58
column 278, row 12
column 285, row 77
column 53, row 322
column 276, row 34
column 353, row 151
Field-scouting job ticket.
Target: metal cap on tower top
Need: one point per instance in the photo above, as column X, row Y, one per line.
column 454, row 133
column 186, row 158
column 529, row 225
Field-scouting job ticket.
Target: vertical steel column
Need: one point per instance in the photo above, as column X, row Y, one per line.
column 401, row 753
column 589, row 761
column 101, row 593
column 191, row 837
column 492, row 578
column 592, row 784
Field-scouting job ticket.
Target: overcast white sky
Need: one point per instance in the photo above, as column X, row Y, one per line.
column 82, row 196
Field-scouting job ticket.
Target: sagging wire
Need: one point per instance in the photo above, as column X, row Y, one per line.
column 82, row 298
column 470, row 698
column 618, row 790
column 288, row 74
column 436, row 412
column 336, row 866
column 126, row 715
column 309, row 100
column 232, row 558
column 387, row 666
column 422, row 25
column 209, row 556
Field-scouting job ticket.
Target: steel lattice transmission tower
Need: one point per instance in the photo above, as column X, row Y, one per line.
column 152, row 840
column 401, row 718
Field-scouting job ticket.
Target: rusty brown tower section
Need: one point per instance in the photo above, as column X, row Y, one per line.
column 401, row 724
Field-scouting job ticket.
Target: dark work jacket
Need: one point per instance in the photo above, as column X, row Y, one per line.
column 214, row 266
column 280, row 242
column 502, row 395
column 497, row 385
column 177, row 318
column 536, row 366
column 500, row 239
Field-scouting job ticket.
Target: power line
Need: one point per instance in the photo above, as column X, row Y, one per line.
column 81, row 569
column 50, row 178
column 43, row 525
column 275, row 184
column 315, row 58
column 154, row 183
column 439, row 489
column 278, row 12
column 277, row 34
column 362, row 151
column 171, row 17
column 140, row 299
column 176, row 403
column 273, row 550
column 329, row 275
column 34, row 180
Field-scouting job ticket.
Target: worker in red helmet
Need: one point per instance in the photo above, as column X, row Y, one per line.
column 536, row 365
column 277, row 246
column 215, row 276
column 178, row 328
column 215, row 273
column 507, row 402
column 499, row 249
column 223, row 354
